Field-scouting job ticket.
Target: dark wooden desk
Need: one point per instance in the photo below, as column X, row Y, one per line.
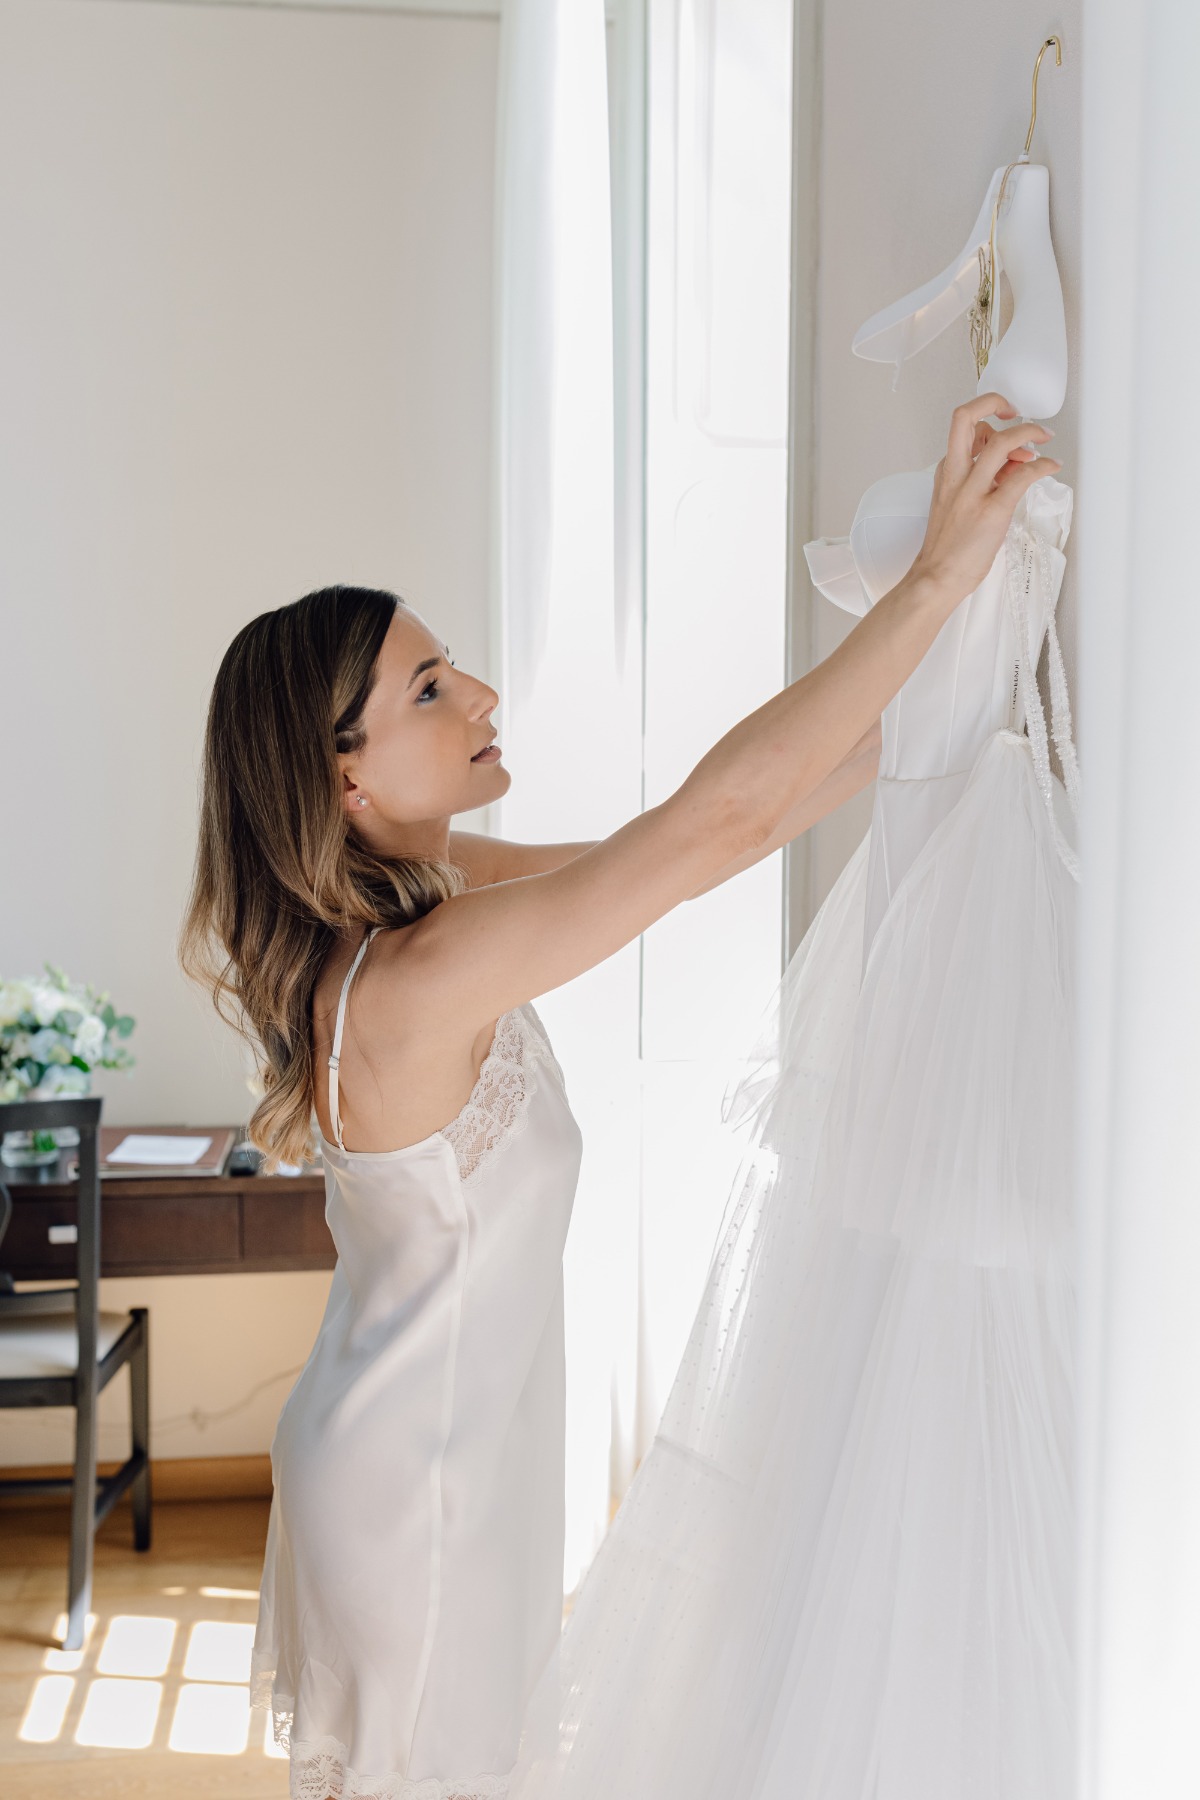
column 169, row 1225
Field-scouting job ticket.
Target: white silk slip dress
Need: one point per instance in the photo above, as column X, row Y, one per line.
column 412, row 1588
column 843, row 1570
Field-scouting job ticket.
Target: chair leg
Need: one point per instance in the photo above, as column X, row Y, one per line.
column 139, row 1407
column 83, row 1521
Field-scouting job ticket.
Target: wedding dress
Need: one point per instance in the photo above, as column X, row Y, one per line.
column 412, row 1588
column 843, row 1569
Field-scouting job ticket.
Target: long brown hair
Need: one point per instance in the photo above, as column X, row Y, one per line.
column 280, row 870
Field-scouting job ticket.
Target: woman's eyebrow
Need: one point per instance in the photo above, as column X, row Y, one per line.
column 431, row 662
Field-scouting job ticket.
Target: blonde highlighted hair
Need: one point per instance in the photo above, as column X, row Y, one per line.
column 280, row 870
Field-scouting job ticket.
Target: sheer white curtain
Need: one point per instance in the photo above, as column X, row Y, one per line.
column 1140, row 1075
column 717, row 246
column 570, row 692
column 609, row 691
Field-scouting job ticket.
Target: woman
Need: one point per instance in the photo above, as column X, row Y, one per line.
column 411, row 1589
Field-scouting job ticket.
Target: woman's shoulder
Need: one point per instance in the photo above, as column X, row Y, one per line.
column 376, row 984
column 488, row 860
column 406, row 1061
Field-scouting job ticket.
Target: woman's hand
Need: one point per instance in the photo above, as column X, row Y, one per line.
column 976, row 488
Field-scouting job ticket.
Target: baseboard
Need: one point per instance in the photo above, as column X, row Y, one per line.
column 172, row 1478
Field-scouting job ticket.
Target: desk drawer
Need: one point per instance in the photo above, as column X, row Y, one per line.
column 136, row 1233
column 286, row 1230
column 172, row 1228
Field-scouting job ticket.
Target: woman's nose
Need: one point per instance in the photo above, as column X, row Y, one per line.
column 486, row 700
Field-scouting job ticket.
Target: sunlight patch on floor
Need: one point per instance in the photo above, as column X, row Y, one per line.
column 120, row 1715
column 47, row 1709
column 218, row 1650
column 144, row 1680
column 211, row 1719
column 136, row 1646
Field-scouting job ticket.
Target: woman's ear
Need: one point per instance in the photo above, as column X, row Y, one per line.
column 353, row 799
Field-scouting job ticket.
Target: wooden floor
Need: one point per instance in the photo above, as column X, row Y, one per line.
column 160, row 1688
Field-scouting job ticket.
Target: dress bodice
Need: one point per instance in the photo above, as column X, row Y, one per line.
column 967, row 685
column 976, row 679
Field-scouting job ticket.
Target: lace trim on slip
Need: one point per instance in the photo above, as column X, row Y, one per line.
column 497, row 1110
column 319, row 1768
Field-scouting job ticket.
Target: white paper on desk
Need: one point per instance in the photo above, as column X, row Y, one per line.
column 178, row 1151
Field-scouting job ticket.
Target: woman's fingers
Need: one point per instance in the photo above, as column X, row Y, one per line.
column 983, row 435
column 1016, row 460
column 960, row 449
column 982, row 405
column 1003, row 445
column 1017, row 478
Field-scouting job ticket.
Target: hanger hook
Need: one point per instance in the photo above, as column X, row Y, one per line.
column 1057, row 43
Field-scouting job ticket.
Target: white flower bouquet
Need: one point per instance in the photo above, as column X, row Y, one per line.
column 53, row 1033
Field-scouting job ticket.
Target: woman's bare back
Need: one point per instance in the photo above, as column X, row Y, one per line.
column 400, row 1078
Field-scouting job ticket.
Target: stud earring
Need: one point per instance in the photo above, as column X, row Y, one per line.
column 362, row 799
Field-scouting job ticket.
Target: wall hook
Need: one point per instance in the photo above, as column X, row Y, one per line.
column 1057, row 43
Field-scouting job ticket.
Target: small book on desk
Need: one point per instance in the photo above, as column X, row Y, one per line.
column 127, row 1153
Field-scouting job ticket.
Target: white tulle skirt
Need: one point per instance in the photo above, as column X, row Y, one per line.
column 843, row 1571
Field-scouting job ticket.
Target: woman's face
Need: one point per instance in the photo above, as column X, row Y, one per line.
column 426, row 724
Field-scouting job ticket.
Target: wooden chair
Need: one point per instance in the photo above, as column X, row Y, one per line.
column 58, row 1349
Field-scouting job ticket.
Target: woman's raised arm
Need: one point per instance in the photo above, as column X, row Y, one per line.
column 496, row 946
column 489, row 859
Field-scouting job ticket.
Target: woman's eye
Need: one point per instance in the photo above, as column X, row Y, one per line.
column 428, row 692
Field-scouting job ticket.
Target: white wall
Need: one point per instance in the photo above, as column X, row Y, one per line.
column 917, row 107
column 245, row 349
column 1138, row 1624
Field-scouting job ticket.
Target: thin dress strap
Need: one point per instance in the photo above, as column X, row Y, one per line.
column 1019, row 571
column 334, row 1115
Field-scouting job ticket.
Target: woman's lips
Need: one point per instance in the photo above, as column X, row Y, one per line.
column 492, row 754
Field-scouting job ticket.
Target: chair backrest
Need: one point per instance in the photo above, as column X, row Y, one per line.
column 84, row 1115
